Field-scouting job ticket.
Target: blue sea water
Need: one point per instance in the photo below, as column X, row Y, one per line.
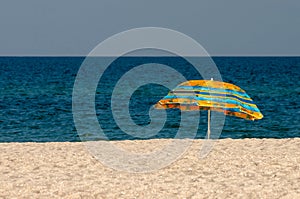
column 36, row 97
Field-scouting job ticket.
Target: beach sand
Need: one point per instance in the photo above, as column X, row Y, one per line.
column 244, row 168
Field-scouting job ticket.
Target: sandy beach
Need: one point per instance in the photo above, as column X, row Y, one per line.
column 247, row 168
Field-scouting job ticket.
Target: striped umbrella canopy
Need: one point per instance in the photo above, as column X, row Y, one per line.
column 211, row 95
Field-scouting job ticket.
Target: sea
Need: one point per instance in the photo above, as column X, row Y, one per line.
column 36, row 98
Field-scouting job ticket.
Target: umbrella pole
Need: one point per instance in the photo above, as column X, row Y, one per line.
column 208, row 124
column 208, row 120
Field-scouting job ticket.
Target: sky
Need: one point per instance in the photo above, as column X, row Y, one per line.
column 75, row 27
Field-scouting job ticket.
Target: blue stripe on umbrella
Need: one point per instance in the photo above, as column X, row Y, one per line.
column 213, row 94
column 218, row 100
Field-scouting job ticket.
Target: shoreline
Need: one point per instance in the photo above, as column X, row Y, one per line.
column 246, row 168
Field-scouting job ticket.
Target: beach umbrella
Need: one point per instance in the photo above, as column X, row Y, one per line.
column 195, row 95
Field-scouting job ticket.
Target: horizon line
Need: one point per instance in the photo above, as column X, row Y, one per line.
column 229, row 55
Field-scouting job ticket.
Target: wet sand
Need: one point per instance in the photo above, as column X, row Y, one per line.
column 248, row 168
